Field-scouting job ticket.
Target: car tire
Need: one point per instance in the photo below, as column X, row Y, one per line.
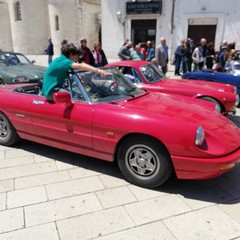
column 209, row 99
column 8, row 134
column 144, row 161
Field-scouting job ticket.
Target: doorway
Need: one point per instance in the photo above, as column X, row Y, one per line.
column 196, row 32
column 143, row 30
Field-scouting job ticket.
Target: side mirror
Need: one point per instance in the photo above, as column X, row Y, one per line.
column 33, row 61
column 63, row 97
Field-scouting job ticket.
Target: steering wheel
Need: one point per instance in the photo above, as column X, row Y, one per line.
column 112, row 88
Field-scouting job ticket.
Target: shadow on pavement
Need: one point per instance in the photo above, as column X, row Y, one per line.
column 224, row 189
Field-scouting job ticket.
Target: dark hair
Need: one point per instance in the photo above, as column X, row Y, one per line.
column 69, row 49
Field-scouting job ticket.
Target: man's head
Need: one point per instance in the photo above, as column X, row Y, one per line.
column 71, row 52
column 83, row 41
column 163, row 41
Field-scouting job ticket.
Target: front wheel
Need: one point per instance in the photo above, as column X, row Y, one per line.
column 8, row 135
column 144, row 162
column 209, row 99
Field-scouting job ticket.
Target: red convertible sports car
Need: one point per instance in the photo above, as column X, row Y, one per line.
column 149, row 134
column 147, row 76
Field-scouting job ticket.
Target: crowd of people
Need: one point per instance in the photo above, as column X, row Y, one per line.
column 95, row 57
column 188, row 56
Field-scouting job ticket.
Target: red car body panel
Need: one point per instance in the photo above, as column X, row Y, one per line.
column 223, row 93
column 96, row 129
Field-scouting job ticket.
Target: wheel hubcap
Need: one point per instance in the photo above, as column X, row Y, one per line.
column 3, row 127
column 142, row 160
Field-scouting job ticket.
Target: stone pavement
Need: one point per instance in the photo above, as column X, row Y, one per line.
column 50, row 194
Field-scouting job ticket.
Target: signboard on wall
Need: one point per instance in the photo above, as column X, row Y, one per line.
column 144, row 7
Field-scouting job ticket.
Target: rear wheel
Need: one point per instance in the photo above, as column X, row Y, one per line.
column 144, row 161
column 8, row 135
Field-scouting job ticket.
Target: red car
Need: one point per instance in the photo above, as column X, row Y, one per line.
column 147, row 76
column 149, row 134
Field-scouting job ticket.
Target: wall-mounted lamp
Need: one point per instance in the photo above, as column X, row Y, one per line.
column 120, row 17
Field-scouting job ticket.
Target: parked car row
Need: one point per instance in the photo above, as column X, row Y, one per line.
column 147, row 76
column 149, row 134
column 230, row 76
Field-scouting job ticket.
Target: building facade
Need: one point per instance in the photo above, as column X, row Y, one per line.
column 142, row 20
column 26, row 24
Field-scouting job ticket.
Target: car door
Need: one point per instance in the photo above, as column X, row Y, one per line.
column 64, row 125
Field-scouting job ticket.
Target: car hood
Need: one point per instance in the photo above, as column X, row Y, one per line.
column 28, row 70
column 181, row 109
column 192, row 85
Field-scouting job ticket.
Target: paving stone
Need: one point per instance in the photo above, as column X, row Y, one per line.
column 26, row 197
column 3, row 201
column 204, row 196
column 6, row 185
column 156, row 209
column 64, row 166
column 15, row 153
column 232, row 208
column 111, row 181
column 61, row 209
column 42, row 232
column 94, row 225
column 11, row 220
column 115, row 197
column 144, row 194
column 27, row 170
column 41, row 179
column 39, row 159
column 2, row 154
column 82, row 173
column 209, row 224
column 73, row 187
column 17, row 161
column 151, row 231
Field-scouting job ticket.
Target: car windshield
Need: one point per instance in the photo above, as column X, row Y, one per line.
column 10, row 59
column 152, row 73
column 91, row 87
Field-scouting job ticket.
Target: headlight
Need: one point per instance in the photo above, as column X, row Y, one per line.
column 20, row 79
column 237, row 100
column 235, row 89
column 200, row 135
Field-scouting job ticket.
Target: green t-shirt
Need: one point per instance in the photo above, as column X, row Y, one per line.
column 56, row 74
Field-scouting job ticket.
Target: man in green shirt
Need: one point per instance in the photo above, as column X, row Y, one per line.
column 58, row 70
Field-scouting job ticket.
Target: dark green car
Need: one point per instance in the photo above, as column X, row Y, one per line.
column 17, row 68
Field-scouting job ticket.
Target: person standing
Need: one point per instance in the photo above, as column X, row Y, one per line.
column 124, row 52
column 86, row 54
column 178, row 57
column 99, row 56
column 161, row 55
column 137, row 54
column 49, row 50
column 150, row 51
column 210, row 55
column 197, row 57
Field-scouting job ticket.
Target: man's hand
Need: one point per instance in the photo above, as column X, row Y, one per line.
column 103, row 73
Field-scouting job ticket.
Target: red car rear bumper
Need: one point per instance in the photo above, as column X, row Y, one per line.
column 204, row 168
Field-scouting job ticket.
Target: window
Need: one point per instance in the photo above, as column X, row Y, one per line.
column 56, row 22
column 18, row 14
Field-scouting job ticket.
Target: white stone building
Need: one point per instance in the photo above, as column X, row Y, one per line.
column 141, row 20
column 26, row 24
